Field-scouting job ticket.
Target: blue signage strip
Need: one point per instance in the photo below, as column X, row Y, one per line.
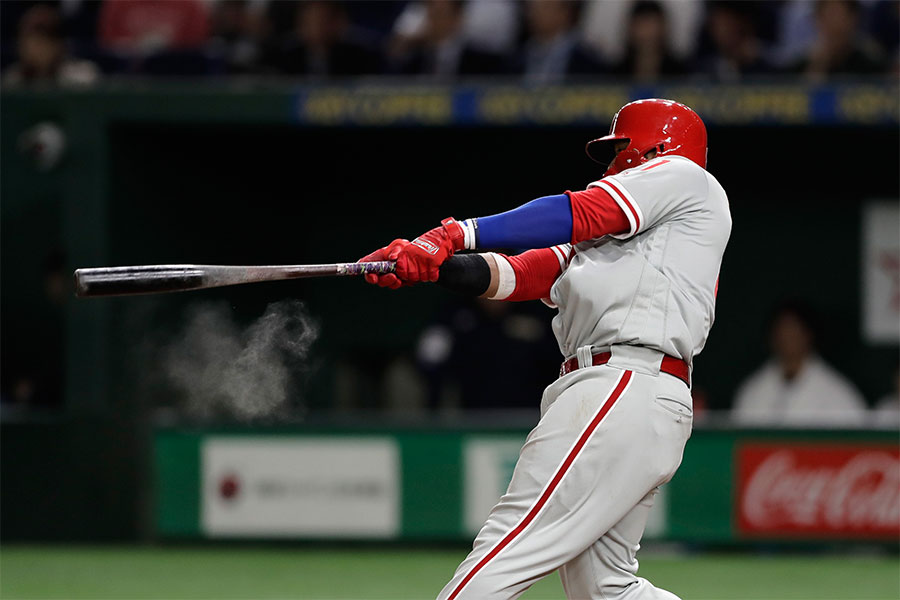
column 385, row 105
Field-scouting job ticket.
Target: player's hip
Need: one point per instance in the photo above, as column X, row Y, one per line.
column 647, row 374
column 611, row 412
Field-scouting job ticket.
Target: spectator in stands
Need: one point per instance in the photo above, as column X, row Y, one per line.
column 323, row 43
column 235, row 33
column 148, row 26
column 42, row 55
column 492, row 25
column 438, row 49
column 795, row 32
column 603, row 26
column 796, row 387
column 736, row 50
column 648, row 56
column 840, row 47
column 488, row 25
column 552, row 50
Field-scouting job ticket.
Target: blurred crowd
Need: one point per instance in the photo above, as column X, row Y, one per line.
column 76, row 42
column 463, row 356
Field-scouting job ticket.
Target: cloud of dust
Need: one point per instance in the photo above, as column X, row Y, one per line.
column 225, row 370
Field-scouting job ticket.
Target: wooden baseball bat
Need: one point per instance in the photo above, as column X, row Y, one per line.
column 154, row 279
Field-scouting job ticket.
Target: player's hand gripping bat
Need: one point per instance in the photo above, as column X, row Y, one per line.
column 153, row 279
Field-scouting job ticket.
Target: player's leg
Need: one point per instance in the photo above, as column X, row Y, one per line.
column 593, row 456
column 608, row 569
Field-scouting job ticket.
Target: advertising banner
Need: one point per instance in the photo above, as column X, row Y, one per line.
column 817, row 490
column 733, row 487
column 296, row 487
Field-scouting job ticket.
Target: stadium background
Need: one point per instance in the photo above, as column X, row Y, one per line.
column 98, row 448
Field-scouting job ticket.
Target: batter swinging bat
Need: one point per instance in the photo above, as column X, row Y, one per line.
column 152, row 279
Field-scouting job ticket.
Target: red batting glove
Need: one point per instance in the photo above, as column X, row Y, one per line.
column 389, row 252
column 422, row 258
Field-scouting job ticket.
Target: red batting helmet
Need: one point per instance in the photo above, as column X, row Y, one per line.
column 664, row 125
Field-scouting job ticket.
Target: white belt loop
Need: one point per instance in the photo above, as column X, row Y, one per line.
column 585, row 356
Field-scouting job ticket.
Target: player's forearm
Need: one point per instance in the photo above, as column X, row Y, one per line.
column 468, row 274
column 527, row 276
column 477, row 275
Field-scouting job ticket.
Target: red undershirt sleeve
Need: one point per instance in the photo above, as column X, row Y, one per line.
column 530, row 275
column 594, row 214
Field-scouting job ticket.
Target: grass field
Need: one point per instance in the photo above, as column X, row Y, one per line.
column 378, row 573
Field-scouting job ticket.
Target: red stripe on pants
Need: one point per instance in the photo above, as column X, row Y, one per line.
column 551, row 487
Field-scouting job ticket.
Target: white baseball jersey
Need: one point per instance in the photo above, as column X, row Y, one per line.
column 654, row 286
column 611, row 434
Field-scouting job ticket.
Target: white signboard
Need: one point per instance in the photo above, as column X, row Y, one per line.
column 313, row 487
column 881, row 272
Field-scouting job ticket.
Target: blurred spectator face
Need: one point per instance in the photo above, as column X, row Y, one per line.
column 549, row 18
column 647, row 28
column 791, row 338
column 728, row 28
column 443, row 20
column 837, row 21
column 319, row 24
column 40, row 46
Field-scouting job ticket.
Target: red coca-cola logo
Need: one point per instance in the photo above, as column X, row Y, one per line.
column 833, row 490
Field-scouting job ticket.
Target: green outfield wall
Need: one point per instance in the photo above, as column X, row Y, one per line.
column 733, row 486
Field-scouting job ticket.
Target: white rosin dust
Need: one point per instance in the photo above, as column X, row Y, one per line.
column 223, row 369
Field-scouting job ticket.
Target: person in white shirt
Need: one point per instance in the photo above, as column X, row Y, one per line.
column 796, row 388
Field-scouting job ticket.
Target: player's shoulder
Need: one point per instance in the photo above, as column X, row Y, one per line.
column 665, row 170
column 664, row 164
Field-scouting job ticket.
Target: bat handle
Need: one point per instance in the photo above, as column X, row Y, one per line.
column 380, row 267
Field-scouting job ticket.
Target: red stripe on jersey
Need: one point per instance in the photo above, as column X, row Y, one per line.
column 620, row 386
column 594, row 214
column 634, row 212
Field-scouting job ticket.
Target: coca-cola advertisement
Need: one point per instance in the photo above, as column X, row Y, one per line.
column 827, row 490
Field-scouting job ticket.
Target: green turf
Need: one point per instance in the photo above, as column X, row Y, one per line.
column 378, row 573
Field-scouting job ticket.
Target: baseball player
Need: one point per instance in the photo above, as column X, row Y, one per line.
column 631, row 264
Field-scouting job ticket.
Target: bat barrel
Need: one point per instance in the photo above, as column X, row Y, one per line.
column 118, row 281
column 151, row 279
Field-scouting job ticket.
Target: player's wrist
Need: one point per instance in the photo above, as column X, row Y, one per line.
column 456, row 234
column 470, row 233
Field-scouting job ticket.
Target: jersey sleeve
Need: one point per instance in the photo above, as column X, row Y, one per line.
column 594, row 214
column 530, row 275
column 659, row 190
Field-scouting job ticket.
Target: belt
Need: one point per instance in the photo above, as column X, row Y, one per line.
column 670, row 365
